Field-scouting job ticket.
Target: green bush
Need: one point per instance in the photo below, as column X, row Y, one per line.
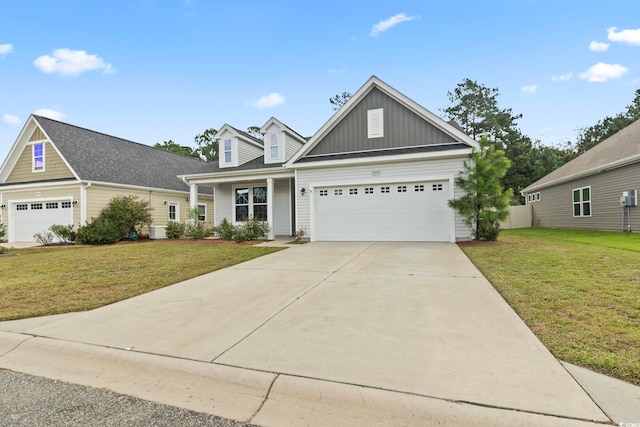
column 126, row 212
column 64, row 233
column 255, row 229
column 174, row 230
column 45, row 238
column 100, row 231
column 196, row 229
column 225, row 230
column 3, row 231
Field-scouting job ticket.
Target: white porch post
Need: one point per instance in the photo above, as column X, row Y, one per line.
column 271, row 234
column 193, row 196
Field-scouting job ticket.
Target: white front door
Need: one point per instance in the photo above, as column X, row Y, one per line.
column 413, row 211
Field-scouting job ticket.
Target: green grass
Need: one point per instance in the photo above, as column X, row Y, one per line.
column 578, row 291
column 44, row 281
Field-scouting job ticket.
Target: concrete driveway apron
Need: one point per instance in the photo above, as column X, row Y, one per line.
column 413, row 318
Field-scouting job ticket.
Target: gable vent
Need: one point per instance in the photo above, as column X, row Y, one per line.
column 375, row 123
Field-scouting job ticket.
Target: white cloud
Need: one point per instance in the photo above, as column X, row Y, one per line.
column 598, row 46
column 10, row 119
column 52, row 114
column 602, row 72
column 5, row 49
column 529, row 90
column 268, row 101
column 562, row 77
column 626, row 36
column 71, row 63
column 336, row 70
column 383, row 26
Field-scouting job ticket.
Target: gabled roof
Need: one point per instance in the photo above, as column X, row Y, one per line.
column 375, row 83
column 284, row 127
column 244, row 135
column 620, row 149
column 97, row 157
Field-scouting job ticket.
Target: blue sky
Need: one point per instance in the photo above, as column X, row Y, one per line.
column 154, row 70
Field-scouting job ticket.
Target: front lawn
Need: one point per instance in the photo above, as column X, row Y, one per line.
column 578, row 291
column 43, row 281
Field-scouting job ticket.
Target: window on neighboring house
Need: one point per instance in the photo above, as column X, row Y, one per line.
column 582, row 201
column 202, row 212
column 38, row 157
column 537, row 197
column 227, row 151
column 273, row 146
column 174, row 215
column 250, row 202
column 375, row 123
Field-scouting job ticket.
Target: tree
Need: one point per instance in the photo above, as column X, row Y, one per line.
column 339, row 100
column 254, row 131
column 591, row 136
column 207, row 145
column 485, row 201
column 178, row 149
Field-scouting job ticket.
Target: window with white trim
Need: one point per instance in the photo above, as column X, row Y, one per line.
column 337, row 192
column 537, row 196
column 38, row 157
column 324, row 192
column 250, row 202
column 375, row 123
column 227, row 151
column 582, row 201
column 174, row 212
column 202, row 212
column 402, row 188
column 274, row 146
column 384, row 189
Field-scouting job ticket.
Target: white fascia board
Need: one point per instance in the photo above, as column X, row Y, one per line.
column 588, row 172
column 33, row 185
column 57, row 151
column 462, row 153
column 237, row 176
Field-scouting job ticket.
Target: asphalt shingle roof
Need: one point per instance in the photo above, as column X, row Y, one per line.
column 99, row 157
column 622, row 145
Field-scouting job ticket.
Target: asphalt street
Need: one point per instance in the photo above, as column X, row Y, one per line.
column 27, row 400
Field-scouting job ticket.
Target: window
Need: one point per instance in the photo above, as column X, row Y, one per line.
column 384, row 189
column 353, row 191
column 368, row 190
column 402, row 188
column 337, row 192
column 538, row 197
column 51, row 205
column 174, row 214
column 529, row 198
column 375, row 123
column 227, row 151
column 419, row 188
column 250, row 202
column 436, row 187
column 38, row 157
column 582, row 201
column 36, row 206
column 202, row 212
column 273, row 146
column 22, row 207
column 66, row 205
column 324, row 192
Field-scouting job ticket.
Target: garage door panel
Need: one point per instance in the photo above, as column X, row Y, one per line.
column 383, row 212
column 28, row 218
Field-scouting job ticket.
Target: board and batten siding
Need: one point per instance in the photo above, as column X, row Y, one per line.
column 426, row 170
column 54, row 166
column 402, row 128
column 555, row 208
column 66, row 192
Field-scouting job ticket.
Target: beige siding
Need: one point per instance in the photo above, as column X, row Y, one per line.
column 67, row 192
column 555, row 208
column 37, row 135
column 99, row 196
column 54, row 166
column 422, row 170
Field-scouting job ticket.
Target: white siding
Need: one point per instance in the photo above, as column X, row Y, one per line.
column 247, row 152
column 291, row 146
column 223, row 203
column 425, row 170
column 281, row 208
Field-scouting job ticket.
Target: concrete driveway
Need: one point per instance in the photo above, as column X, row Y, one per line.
column 318, row 334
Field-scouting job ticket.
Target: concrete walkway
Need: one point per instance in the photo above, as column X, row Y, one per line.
column 319, row 334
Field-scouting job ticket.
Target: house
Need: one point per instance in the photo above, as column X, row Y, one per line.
column 57, row 173
column 586, row 192
column 381, row 169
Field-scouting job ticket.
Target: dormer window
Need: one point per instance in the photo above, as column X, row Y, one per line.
column 274, row 148
column 227, row 151
column 38, row 157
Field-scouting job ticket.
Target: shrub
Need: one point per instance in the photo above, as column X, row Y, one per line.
column 196, row 229
column 174, row 230
column 225, row 230
column 255, row 228
column 64, row 233
column 45, row 238
column 100, row 231
column 240, row 234
column 126, row 212
column 3, row 231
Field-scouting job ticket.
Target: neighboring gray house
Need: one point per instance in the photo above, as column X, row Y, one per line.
column 57, row 173
column 382, row 168
column 586, row 192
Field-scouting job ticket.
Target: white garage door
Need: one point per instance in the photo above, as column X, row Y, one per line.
column 415, row 211
column 28, row 218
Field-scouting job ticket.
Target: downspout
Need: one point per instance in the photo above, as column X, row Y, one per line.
column 83, row 203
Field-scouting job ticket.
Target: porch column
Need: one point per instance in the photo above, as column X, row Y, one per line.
column 271, row 234
column 193, row 196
